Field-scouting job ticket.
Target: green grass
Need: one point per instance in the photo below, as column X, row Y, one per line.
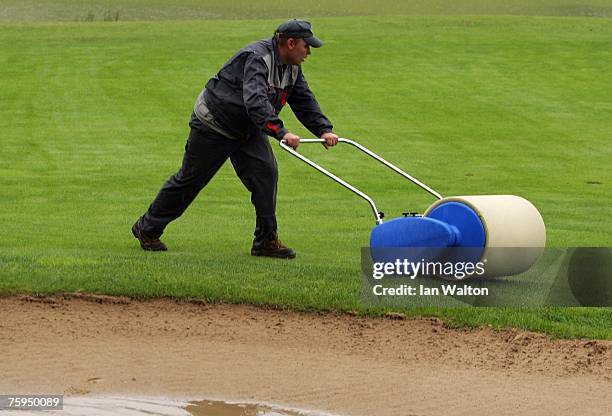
column 93, row 119
column 99, row 10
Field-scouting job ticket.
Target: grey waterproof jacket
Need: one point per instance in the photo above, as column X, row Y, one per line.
column 246, row 96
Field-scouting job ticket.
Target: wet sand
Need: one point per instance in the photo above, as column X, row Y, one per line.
column 82, row 345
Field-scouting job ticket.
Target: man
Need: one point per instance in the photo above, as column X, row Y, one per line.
column 231, row 118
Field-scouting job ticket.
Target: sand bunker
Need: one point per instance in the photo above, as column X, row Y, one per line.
column 83, row 345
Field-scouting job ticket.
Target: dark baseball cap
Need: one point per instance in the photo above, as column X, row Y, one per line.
column 296, row 28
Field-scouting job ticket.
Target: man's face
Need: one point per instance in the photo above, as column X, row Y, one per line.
column 297, row 51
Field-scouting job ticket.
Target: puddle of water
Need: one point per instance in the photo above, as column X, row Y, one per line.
column 141, row 406
column 216, row 408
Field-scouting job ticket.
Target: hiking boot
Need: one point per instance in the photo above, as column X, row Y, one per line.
column 272, row 247
column 147, row 242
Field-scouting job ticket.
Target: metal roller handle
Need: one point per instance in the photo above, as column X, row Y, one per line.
column 381, row 160
column 347, row 185
column 377, row 214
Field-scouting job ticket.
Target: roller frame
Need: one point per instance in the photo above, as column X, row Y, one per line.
column 376, row 212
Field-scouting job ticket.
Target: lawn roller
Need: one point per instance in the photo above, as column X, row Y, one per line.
column 505, row 231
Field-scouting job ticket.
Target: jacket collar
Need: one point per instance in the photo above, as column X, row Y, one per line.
column 276, row 53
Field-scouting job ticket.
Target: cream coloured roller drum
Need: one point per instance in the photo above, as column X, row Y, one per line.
column 504, row 231
column 509, row 228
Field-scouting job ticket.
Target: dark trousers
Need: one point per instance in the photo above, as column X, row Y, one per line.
column 205, row 153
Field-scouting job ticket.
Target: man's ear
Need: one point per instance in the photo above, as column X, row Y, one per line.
column 291, row 43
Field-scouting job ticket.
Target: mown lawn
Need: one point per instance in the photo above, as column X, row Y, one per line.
column 130, row 10
column 93, row 119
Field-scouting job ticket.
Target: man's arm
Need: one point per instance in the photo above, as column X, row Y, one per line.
column 255, row 95
column 307, row 109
